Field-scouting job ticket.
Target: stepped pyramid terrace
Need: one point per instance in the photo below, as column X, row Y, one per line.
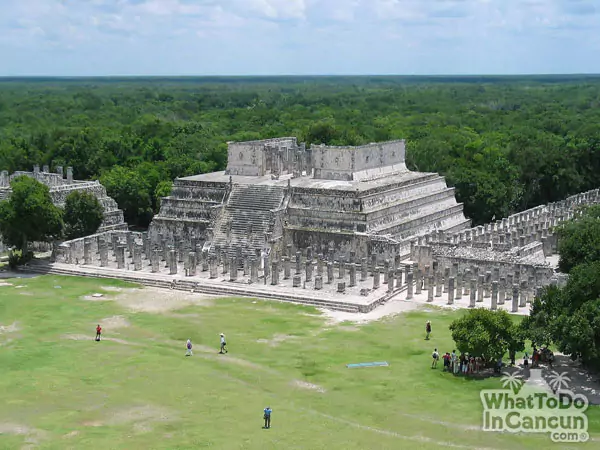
column 346, row 228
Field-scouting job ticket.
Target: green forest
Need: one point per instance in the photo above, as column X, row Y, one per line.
column 505, row 143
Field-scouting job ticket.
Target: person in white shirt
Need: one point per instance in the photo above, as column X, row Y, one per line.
column 188, row 347
column 223, row 344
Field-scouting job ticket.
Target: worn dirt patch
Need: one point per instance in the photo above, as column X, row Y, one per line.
column 9, row 328
column 276, row 339
column 305, row 385
column 83, row 337
column 141, row 417
column 152, row 300
column 3, row 283
column 32, row 435
column 390, row 308
column 115, row 322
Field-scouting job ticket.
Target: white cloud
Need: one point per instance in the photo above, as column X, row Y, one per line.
column 298, row 36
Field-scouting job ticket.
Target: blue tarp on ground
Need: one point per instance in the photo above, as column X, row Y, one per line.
column 368, row 364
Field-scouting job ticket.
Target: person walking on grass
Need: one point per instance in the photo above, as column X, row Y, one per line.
column 435, row 356
column 223, row 344
column 427, row 329
column 98, row 333
column 188, row 347
column 267, row 417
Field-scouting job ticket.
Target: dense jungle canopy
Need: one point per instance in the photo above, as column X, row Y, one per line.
column 505, row 143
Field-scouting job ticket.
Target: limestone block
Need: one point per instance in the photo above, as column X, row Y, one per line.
column 341, row 287
column 297, row 281
column 318, row 282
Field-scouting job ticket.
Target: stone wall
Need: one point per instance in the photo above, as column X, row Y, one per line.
column 361, row 163
column 252, row 159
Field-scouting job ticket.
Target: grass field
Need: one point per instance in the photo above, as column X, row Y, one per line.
column 137, row 390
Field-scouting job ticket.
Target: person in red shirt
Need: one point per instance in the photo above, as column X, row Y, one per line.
column 98, row 332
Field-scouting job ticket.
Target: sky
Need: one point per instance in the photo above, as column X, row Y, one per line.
column 298, row 37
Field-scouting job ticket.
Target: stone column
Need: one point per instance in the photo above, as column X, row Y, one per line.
column 87, row 251
column 309, row 253
column 329, row 272
column 466, row 283
column 212, row 263
column 431, row 287
column 494, row 296
column 233, row 268
column 298, row 263
column 459, row 285
column 246, row 266
column 418, row 280
column 398, row 278
column 363, row 269
column 191, row 260
column 451, row 290
column 501, row 291
column 225, row 263
column 266, row 266
column 121, row 256
column 204, row 261
column 253, row 270
column 373, row 265
column 297, row 281
column 320, row 265
column 309, row 270
column 165, row 252
column 515, row 298
column 69, row 175
column 438, row 284
column 531, row 294
column 352, row 274
column 275, row 273
column 472, row 293
column 386, row 271
column 287, row 269
column 487, row 285
column 409, row 286
column 318, row 282
column 342, row 268
column 480, row 281
column 446, row 278
column 103, row 250
column 390, row 277
column 341, row 287
column 376, row 276
column 427, row 278
column 523, row 296
column 137, row 256
column 146, row 245
column 155, row 260
column 172, row 262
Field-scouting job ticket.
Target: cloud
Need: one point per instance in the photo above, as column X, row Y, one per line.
column 87, row 37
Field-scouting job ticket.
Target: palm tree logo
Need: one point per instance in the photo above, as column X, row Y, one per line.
column 512, row 381
column 558, row 381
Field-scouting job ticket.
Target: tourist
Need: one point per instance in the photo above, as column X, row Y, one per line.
column 446, row 358
column 535, row 358
column 188, row 346
column 526, row 361
column 466, row 364
column 435, row 356
column 98, row 332
column 471, row 364
column 223, row 344
column 267, row 416
column 477, row 364
column 427, row 329
column 550, row 360
column 454, row 360
column 513, row 356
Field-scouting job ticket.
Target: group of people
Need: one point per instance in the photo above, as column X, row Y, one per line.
column 223, row 349
column 458, row 364
column 542, row 355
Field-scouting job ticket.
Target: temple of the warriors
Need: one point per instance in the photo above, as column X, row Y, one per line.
column 61, row 186
column 277, row 196
column 345, row 228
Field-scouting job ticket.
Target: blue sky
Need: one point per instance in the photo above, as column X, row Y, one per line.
column 274, row 37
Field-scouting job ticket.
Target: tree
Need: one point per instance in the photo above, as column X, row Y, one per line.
column 163, row 189
column 29, row 214
column 487, row 333
column 579, row 239
column 83, row 214
column 131, row 192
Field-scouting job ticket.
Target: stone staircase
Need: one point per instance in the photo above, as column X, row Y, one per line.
column 249, row 214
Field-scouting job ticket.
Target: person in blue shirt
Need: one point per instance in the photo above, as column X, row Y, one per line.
column 267, row 417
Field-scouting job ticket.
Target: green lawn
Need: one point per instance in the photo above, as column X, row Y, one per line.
column 141, row 392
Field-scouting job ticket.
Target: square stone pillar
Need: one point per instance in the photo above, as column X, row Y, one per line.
column 213, row 268
column 233, row 270
column 155, row 260
column 172, row 262
column 431, row 287
column 137, row 256
column 446, row 278
column 390, row 279
column 494, row 296
column 363, row 269
column 342, row 268
column 121, row 256
column 523, row 295
column 501, row 291
column 438, row 284
column 418, row 281
column 472, row 293
column 341, row 288
column 480, row 281
column 376, row 276
column 466, row 278
column 427, row 276
column 451, row 290
column 352, row 274
column 488, row 284
column 309, row 253
column 318, row 282
column 329, row 272
column 275, row 273
column 204, row 261
column 398, row 274
column 87, row 251
column 309, row 270
column 298, row 263
column 287, row 269
column 515, row 298
column 266, row 268
column 103, row 249
column 297, row 281
column 69, row 175
column 320, row 265
column 409, row 286
column 192, row 264
column 459, row 285
column 253, row 270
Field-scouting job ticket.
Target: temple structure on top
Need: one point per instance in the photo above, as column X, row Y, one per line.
column 277, row 195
